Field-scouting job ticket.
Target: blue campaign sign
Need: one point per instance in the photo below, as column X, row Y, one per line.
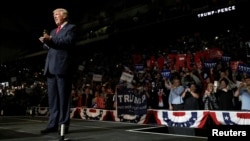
column 209, row 64
column 244, row 68
column 166, row 74
column 130, row 102
column 226, row 58
column 139, row 67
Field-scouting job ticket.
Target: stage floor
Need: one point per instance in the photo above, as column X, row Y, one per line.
column 27, row 128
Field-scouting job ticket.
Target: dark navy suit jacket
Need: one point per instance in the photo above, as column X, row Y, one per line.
column 60, row 50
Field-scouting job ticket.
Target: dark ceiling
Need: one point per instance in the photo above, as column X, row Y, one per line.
column 21, row 23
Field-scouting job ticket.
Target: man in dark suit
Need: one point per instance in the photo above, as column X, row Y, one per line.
column 60, row 44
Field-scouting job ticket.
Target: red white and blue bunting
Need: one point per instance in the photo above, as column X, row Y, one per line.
column 191, row 119
column 230, row 117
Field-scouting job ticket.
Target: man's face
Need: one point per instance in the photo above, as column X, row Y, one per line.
column 59, row 18
column 193, row 87
column 176, row 82
column 247, row 81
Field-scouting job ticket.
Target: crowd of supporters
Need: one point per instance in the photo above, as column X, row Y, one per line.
column 185, row 88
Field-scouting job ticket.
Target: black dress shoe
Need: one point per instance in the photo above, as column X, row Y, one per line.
column 49, row 130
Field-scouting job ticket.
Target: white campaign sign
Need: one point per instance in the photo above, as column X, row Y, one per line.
column 127, row 77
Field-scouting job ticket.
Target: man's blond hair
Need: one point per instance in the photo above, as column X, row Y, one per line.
column 63, row 11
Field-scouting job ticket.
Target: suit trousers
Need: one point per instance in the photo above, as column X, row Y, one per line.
column 59, row 88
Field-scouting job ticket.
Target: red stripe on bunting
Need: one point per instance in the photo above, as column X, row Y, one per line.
column 243, row 115
column 179, row 114
column 213, row 116
column 92, row 110
column 158, row 121
column 204, row 119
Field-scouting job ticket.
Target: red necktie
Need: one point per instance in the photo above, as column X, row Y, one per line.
column 58, row 29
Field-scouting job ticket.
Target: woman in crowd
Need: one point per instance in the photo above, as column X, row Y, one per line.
column 225, row 95
column 190, row 97
column 209, row 100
